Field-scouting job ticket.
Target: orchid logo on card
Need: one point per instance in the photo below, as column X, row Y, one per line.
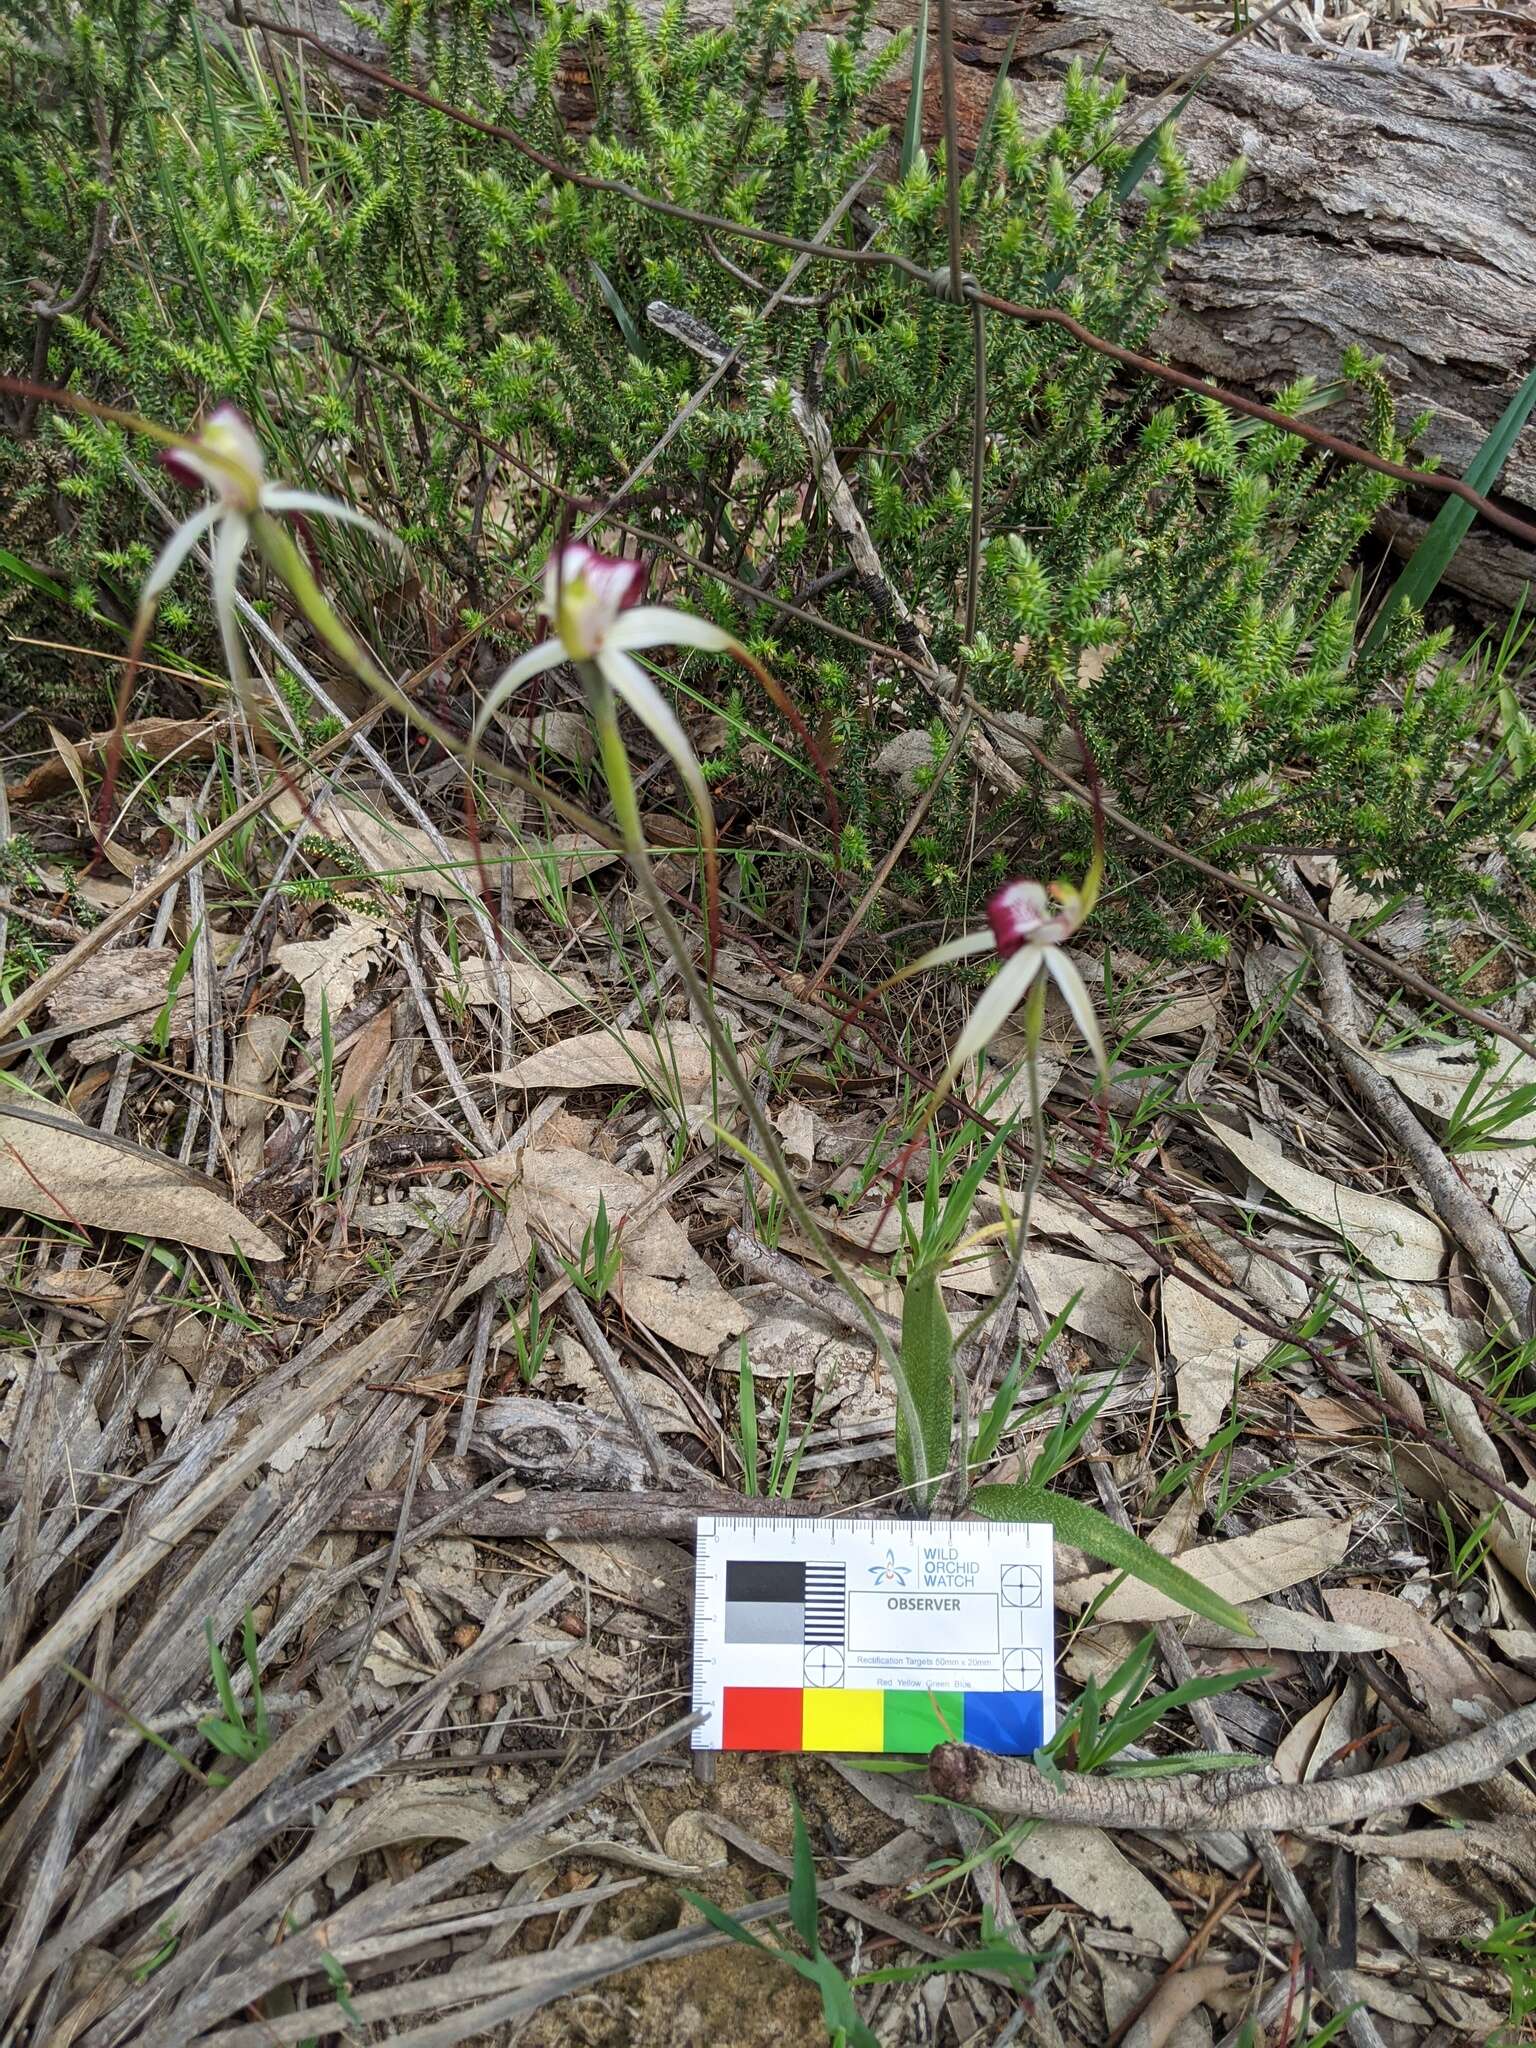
column 890, row 1573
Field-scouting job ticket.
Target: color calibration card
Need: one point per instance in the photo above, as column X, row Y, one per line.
column 872, row 1637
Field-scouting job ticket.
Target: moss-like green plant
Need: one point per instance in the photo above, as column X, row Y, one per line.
column 414, row 316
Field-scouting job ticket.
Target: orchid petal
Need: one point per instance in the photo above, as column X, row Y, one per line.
column 228, row 547
column 1075, row 990
column 994, row 1006
column 548, row 654
column 999, row 999
column 962, row 948
column 281, row 499
column 658, row 625
column 176, row 550
column 630, row 682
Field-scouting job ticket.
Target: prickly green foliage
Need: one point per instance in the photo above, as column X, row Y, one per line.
column 1172, row 579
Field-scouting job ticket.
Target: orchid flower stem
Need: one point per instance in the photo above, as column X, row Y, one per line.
column 626, row 806
column 1034, row 1017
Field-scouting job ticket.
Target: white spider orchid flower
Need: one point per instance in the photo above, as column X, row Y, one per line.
column 591, row 601
column 226, row 457
column 1028, row 925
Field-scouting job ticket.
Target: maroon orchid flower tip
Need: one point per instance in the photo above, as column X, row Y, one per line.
column 1017, row 913
column 176, row 463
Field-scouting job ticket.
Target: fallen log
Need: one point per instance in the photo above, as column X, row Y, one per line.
column 1388, row 205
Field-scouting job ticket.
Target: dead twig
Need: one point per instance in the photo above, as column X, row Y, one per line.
column 1201, row 1805
column 1465, row 1215
column 548, row 1517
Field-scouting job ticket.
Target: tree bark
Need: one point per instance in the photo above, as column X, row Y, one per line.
column 1392, row 206
column 1388, row 205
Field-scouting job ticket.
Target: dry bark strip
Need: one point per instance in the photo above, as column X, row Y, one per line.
column 1199, row 1804
column 1387, row 205
column 579, row 1517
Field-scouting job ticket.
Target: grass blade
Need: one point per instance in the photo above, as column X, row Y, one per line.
column 620, row 312
column 1144, row 155
column 746, row 1413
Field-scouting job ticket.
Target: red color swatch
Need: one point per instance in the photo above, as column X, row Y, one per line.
column 762, row 1717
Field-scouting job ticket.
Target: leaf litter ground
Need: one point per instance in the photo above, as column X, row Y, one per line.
column 285, row 1167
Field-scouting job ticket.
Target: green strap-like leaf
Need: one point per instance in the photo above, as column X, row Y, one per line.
column 927, row 1360
column 1434, row 553
column 802, row 1886
column 1075, row 1522
column 912, row 140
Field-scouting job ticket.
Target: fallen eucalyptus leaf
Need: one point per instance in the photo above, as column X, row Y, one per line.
column 534, row 992
column 675, row 1060
column 331, row 969
column 1237, row 1570
column 662, row 1282
column 71, row 1175
column 1397, row 1240
column 1085, row 1866
column 1210, row 1349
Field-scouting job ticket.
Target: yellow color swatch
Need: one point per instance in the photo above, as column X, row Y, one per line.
column 838, row 1719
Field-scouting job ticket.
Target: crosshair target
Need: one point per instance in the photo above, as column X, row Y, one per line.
column 823, row 1667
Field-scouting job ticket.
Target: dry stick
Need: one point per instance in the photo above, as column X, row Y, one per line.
column 641, row 1428
column 392, row 1561
column 951, row 146
column 820, row 444
column 1202, row 1934
column 1468, row 1218
column 898, row 847
column 1197, row 1804
column 722, row 368
column 939, row 282
column 577, row 1517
